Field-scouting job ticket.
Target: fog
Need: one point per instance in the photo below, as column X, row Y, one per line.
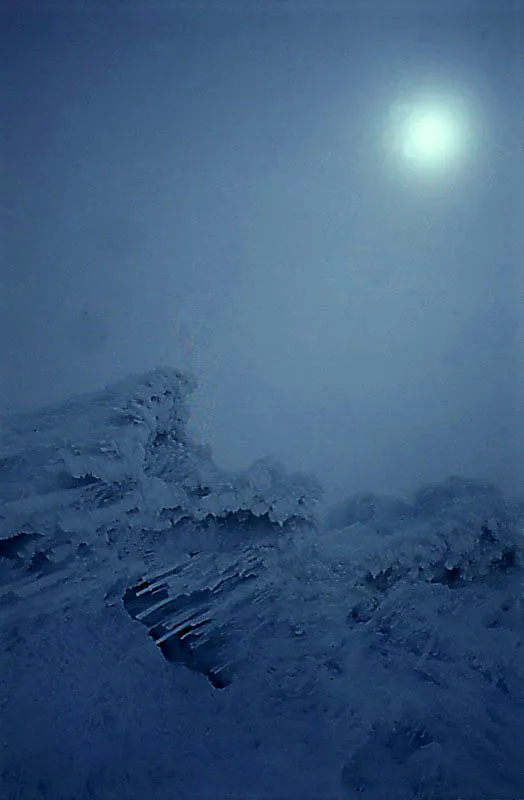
column 211, row 186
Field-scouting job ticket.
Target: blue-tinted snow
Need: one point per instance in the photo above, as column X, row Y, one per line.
column 170, row 630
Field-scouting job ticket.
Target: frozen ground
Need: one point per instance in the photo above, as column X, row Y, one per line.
column 172, row 631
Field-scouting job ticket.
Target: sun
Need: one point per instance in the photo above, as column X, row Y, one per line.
column 428, row 134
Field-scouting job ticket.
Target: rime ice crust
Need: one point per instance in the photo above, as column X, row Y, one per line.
column 127, row 447
column 386, row 648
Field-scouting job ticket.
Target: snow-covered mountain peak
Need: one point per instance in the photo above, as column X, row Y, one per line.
column 383, row 650
column 125, row 449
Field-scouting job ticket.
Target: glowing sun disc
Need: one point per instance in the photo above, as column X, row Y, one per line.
column 428, row 135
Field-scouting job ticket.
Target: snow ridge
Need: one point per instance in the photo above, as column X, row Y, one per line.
column 396, row 630
column 127, row 448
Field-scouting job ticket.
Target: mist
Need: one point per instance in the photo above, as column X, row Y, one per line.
column 209, row 186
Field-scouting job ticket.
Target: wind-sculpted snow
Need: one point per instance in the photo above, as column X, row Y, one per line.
column 411, row 645
column 127, row 448
column 378, row 657
column 438, row 612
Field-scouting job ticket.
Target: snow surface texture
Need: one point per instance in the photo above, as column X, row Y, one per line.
column 170, row 630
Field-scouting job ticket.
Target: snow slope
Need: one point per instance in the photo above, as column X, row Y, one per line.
column 170, row 630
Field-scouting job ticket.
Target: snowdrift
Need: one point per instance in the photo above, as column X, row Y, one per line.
column 177, row 630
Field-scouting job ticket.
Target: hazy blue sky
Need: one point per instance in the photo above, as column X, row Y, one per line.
column 209, row 186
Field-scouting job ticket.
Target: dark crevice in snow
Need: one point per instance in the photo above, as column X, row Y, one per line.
column 40, row 564
column 13, row 547
column 183, row 648
column 449, row 576
column 181, row 644
column 68, row 481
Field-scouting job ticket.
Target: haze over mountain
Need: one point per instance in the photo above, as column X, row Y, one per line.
column 239, row 189
column 262, row 457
